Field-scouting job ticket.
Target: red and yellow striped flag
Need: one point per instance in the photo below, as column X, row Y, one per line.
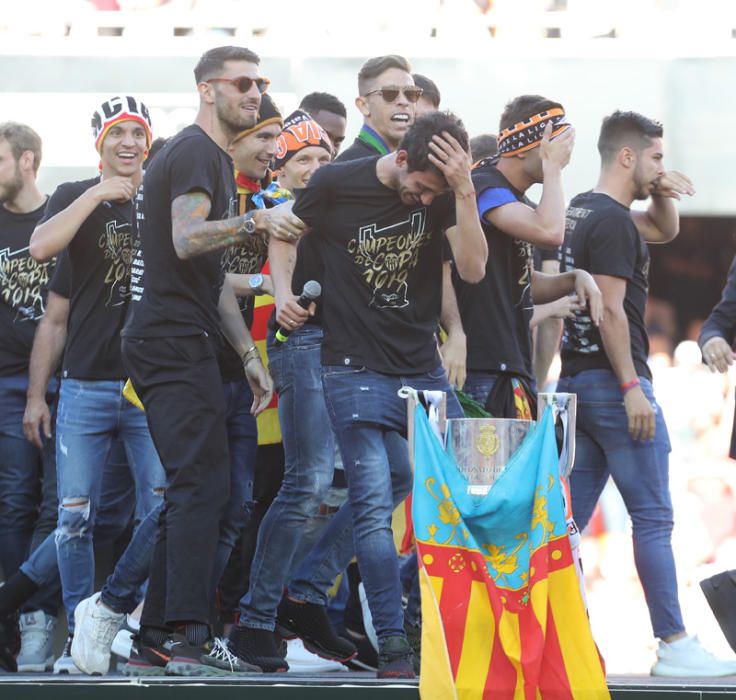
column 502, row 613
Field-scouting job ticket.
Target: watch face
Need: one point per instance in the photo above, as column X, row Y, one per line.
column 250, row 226
column 256, row 281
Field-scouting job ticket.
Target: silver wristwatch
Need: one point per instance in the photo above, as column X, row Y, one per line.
column 248, row 226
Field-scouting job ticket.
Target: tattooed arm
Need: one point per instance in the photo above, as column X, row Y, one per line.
column 193, row 235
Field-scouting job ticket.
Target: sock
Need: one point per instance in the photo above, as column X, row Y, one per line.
column 197, row 633
column 16, row 591
column 153, row 636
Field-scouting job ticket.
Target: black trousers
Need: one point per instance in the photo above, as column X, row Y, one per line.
column 178, row 381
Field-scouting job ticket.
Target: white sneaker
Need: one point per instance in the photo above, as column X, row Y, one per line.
column 65, row 663
column 123, row 642
column 36, row 639
column 95, row 626
column 302, row 660
column 686, row 657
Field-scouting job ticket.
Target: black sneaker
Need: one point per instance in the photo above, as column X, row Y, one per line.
column 147, row 660
column 311, row 624
column 213, row 658
column 720, row 592
column 395, row 658
column 258, row 648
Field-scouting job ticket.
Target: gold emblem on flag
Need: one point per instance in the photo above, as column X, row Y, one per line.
column 488, row 442
column 457, row 562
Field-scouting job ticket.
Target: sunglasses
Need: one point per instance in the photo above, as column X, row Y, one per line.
column 390, row 93
column 244, row 84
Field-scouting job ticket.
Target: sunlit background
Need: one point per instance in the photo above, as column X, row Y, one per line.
column 673, row 60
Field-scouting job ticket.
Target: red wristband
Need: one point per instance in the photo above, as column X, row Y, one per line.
column 626, row 388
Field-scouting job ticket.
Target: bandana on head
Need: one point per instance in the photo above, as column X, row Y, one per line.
column 117, row 110
column 268, row 113
column 300, row 131
column 526, row 135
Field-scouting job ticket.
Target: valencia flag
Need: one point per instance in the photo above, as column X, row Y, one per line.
column 502, row 612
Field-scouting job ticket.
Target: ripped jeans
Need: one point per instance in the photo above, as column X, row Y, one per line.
column 90, row 415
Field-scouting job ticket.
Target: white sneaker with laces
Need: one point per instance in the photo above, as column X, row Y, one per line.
column 36, row 641
column 65, row 664
column 95, row 626
column 686, row 658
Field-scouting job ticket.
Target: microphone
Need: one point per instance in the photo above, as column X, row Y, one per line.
column 311, row 291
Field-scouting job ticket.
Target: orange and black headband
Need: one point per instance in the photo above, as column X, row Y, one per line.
column 300, row 131
column 526, row 135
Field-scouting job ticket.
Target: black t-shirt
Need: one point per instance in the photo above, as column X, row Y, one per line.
column 601, row 237
column 382, row 269
column 174, row 297
column 99, row 263
column 497, row 310
column 309, row 265
column 23, row 283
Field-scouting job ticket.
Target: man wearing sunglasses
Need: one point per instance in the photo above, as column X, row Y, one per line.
column 170, row 346
column 387, row 96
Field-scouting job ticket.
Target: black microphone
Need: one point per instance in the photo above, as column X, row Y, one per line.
column 311, row 291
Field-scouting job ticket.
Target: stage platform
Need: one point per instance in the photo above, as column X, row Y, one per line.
column 356, row 686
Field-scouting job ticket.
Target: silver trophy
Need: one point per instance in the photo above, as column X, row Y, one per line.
column 482, row 447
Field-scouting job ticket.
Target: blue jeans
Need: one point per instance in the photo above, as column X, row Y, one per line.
column 27, row 478
column 334, row 550
column 91, row 414
column 640, row 470
column 364, row 409
column 309, row 451
column 122, row 589
column 478, row 385
column 116, row 509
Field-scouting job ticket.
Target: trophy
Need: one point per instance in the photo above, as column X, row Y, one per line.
column 482, row 447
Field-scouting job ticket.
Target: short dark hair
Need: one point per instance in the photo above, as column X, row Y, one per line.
column 373, row 67
column 417, row 139
column 523, row 107
column 626, row 129
column 429, row 88
column 483, row 146
column 213, row 61
column 322, row 101
column 21, row 139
